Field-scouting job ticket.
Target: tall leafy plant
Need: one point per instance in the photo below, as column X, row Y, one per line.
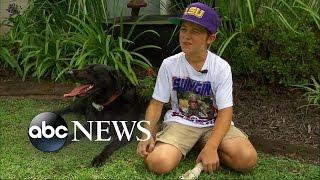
column 97, row 10
column 52, row 37
column 46, row 56
column 35, row 40
column 295, row 13
column 94, row 45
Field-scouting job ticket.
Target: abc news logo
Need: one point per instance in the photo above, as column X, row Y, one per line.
column 48, row 131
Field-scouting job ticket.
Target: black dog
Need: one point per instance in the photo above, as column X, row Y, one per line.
column 105, row 96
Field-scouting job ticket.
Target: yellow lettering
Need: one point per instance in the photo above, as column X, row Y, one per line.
column 194, row 11
column 186, row 11
column 199, row 13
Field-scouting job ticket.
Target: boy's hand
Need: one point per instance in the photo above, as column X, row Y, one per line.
column 209, row 158
column 145, row 147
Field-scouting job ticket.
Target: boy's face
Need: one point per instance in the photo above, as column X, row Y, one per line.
column 194, row 39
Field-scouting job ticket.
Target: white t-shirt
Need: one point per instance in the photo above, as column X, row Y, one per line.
column 195, row 96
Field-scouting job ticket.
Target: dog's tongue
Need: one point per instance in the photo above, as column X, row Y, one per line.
column 76, row 91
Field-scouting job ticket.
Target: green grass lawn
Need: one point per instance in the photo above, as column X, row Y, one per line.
column 19, row 159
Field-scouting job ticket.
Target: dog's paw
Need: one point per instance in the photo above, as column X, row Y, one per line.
column 98, row 161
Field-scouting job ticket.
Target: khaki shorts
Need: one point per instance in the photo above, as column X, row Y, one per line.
column 184, row 137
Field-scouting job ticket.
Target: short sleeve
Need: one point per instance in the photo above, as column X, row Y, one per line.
column 162, row 88
column 224, row 89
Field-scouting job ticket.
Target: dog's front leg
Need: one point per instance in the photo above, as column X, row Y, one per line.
column 107, row 151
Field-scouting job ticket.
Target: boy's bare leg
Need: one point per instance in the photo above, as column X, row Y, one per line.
column 163, row 158
column 238, row 154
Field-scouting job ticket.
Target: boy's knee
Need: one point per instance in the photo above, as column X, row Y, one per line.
column 246, row 161
column 159, row 163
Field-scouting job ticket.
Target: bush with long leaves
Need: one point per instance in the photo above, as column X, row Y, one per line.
column 35, row 42
column 52, row 37
column 94, row 45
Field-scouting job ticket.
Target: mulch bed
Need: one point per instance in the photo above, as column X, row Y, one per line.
column 274, row 122
column 277, row 123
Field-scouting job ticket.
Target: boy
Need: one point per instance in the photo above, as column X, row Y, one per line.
column 195, row 72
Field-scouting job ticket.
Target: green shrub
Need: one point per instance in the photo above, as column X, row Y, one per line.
column 49, row 39
column 270, row 55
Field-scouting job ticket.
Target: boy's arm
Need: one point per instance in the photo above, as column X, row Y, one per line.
column 224, row 102
column 221, row 127
column 153, row 114
column 209, row 154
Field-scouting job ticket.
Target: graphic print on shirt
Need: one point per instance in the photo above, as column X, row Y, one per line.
column 195, row 101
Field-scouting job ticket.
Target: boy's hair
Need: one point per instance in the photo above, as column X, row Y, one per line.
column 200, row 14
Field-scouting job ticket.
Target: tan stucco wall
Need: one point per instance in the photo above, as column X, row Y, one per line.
column 4, row 14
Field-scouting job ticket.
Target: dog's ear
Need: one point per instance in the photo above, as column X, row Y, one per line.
column 119, row 81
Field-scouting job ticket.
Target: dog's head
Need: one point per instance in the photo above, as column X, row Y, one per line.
column 98, row 80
